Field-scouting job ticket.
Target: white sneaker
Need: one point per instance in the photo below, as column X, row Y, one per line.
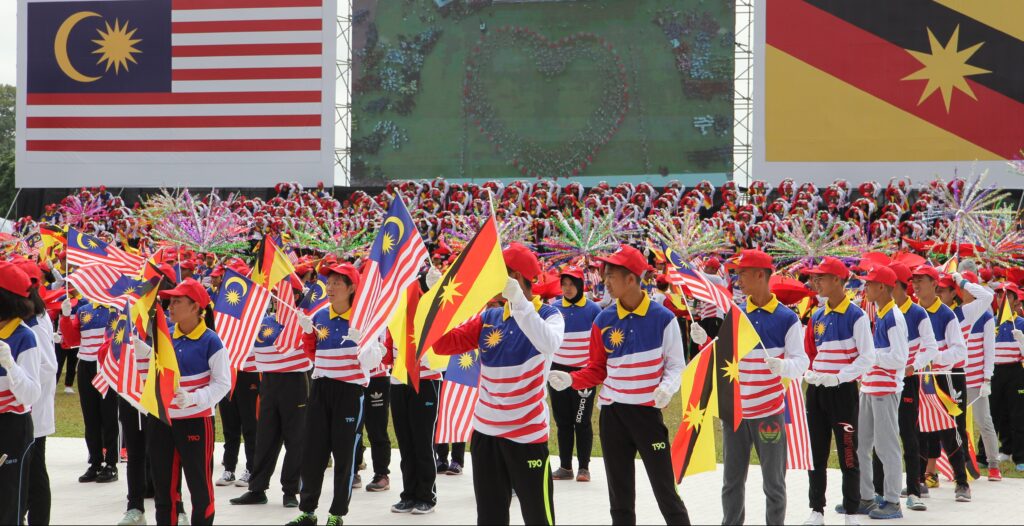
column 243, row 479
column 226, row 479
column 851, row 520
column 68, row 390
column 133, row 518
column 183, row 519
column 1003, row 457
column 815, row 519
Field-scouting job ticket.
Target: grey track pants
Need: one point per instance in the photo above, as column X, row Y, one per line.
column 880, row 431
column 768, row 437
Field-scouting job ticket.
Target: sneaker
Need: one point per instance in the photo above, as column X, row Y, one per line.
column 583, row 475
column 403, row 506
column 304, row 519
column 864, row 508
column 815, row 519
column 963, row 493
column 379, row 483
column 1020, row 468
column 887, row 511
column 852, row 520
column 903, row 493
column 915, row 503
column 124, row 455
column 183, row 519
column 133, row 518
column 931, row 480
column 357, row 481
column 562, row 474
column 422, row 508
column 69, row 390
column 454, row 468
column 1002, row 457
column 107, row 474
column 334, row 520
column 994, row 474
column 250, row 497
column 362, row 466
column 442, row 467
column 243, row 479
column 90, row 474
column 924, row 492
column 290, row 501
column 226, row 479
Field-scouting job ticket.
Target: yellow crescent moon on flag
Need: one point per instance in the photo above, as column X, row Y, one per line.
column 60, row 46
column 81, row 243
column 241, row 283
column 398, row 223
column 259, row 335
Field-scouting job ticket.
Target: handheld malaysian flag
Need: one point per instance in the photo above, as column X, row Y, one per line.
column 459, row 394
column 237, row 312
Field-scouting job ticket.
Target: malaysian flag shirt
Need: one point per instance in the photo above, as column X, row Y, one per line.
column 632, row 353
column 1007, row 348
column 579, row 319
column 268, row 358
column 516, row 344
column 333, row 356
column 782, row 336
column 205, row 372
column 891, row 353
column 88, row 325
column 844, row 341
column 19, row 386
column 920, row 338
column 948, row 337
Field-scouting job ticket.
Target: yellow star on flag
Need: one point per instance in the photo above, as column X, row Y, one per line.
column 693, row 417
column 493, row 338
column 819, row 328
column 732, row 370
column 450, row 292
column 945, row 68
column 616, row 338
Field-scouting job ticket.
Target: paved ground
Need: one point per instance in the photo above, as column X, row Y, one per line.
column 575, row 503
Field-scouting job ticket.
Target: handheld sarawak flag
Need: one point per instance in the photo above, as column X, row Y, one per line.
column 1006, row 313
column 459, row 394
column 272, row 264
column 402, row 329
column 84, row 249
column 50, row 236
column 736, row 338
column 476, row 276
column 141, row 311
column 942, row 464
column 693, row 449
column 164, row 375
column 237, row 313
column 395, row 259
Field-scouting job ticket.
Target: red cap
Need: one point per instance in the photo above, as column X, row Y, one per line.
column 168, row 272
column 986, row 274
column 14, row 280
column 830, row 266
column 345, row 269
column 628, row 257
column 970, row 276
column 190, row 289
column 522, row 260
column 1015, row 275
column 29, row 268
column 903, row 273
column 883, row 275
column 712, row 264
column 661, row 279
column 218, row 271
column 187, row 264
column 927, row 270
column 945, row 281
column 572, row 271
column 750, row 258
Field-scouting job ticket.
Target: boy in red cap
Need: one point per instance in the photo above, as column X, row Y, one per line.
column 510, row 420
column 1008, row 378
column 636, row 352
column 20, row 387
column 571, row 408
column 878, row 417
column 952, row 351
column 781, row 355
column 845, row 351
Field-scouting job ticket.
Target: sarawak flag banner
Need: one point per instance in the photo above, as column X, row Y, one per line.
column 163, row 377
column 923, row 86
column 129, row 91
column 693, row 448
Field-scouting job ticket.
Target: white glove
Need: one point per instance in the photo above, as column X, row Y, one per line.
column 354, row 335
column 698, row 334
column 65, row 307
column 513, row 292
column 559, row 380
column 6, row 358
column 142, row 349
column 57, row 338
column 986, row 389
column 812, row 378
column 828, row 380
column 433, row 276
column 306, row 323
column 662, row 396
column 774, row 365
column 183, row 399
column 370, row 356
column 1019, row 336
column 957, row 278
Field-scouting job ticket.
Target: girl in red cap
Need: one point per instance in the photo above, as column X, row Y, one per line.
column 19, row 388
column 187, row 445
column 334, row 412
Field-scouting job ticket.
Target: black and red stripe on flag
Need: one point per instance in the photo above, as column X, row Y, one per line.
column 696, row 400
column 727, row 369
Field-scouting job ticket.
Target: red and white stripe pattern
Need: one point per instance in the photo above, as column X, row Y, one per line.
column 575, row 349
column 247, row 84
column 290, row 337
column 238, row 334
column 932, row 415
column 116, row 259
column 798, row 437
column 632, row 378
column 455, row 413
column 512, row 401
column 975, row 366
column 190, row 384
column 701, row 288
column 378, row 295
column 94, row 282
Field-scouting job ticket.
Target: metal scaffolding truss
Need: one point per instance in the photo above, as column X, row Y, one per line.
column 343, row 95
column 743, row 94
